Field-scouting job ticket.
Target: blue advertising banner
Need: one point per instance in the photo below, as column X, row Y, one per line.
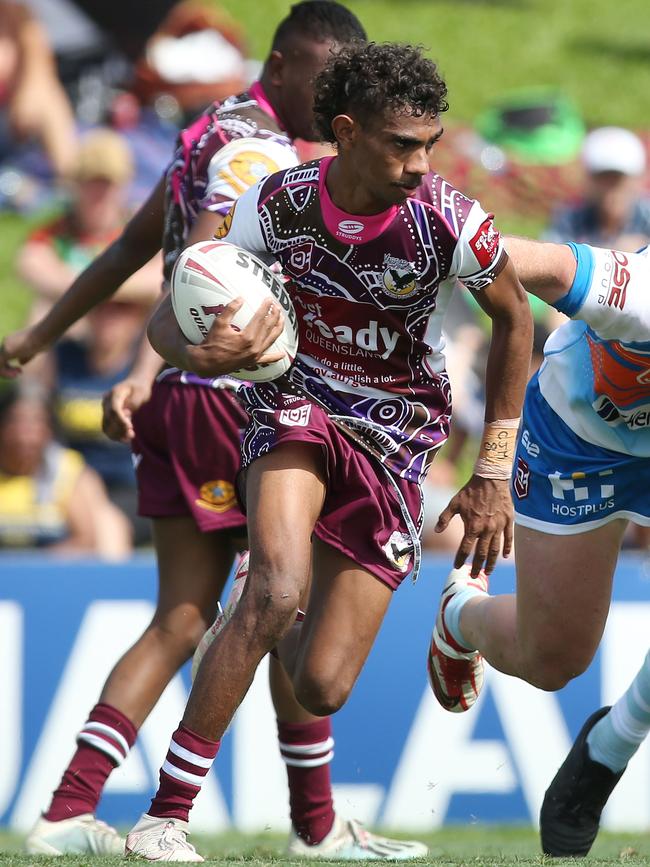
column 400, row 760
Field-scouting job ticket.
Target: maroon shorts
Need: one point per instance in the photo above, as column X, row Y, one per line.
column 186, row 452
column 363, row 512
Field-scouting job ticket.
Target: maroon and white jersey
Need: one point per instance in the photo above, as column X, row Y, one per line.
column 227, row 149
column 370, row 293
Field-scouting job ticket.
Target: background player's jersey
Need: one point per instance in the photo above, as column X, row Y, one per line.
column 599, row 387
column 229, row 147
column 370, row 293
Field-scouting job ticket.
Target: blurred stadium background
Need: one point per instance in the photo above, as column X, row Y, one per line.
column 62, row 625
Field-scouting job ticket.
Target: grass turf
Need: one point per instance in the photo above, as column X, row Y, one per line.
column 473, row 846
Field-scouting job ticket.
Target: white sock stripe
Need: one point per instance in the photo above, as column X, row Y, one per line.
column 102, row 745
column 189, row 756
column 112, row 733
column 309, row 763
column 183, row 776
column 638, row 698
column 307, row 749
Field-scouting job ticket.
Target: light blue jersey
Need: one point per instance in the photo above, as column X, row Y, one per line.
column 584, row 440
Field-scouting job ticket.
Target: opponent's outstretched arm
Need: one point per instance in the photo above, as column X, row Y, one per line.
column 607, row 289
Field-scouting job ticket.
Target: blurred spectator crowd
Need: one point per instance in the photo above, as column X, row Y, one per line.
column 90, row 103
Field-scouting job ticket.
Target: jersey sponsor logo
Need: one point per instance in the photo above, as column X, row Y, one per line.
column 532, row 449
column 614, row 283
column 373, row 338
column 485, row 243
column 297, row 417
column 611, row 414
column 217, row 496
column 522, row 479
column 350, row 230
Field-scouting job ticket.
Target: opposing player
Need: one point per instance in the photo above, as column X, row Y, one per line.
column 581, row 474
column 372, row 242
column 186, row 445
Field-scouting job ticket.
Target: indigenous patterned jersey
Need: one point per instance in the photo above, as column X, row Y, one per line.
column 370, row 293
column 600, row 387
column 220, row 155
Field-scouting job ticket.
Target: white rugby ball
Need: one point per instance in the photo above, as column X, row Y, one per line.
column 211, row 274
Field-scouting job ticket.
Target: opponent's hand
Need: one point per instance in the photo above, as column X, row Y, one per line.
column 226, row 348
column 17, row 349
column 485, row 507
column 118, row 406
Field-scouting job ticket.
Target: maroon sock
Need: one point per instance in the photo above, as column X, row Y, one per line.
column 189, row 759
column 307, row 750
column 102, row 744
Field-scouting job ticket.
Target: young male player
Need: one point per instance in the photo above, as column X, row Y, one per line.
column 372, row 243
column 186, row 446
column 581, row 473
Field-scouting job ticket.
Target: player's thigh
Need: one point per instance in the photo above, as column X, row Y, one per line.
column 285, row 492
column 564, row 585
column 347, row 605
column 192, row 566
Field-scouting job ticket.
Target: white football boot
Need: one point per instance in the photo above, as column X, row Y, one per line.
column 77, row 835
column 350, row 841
column 225, row 614
column 160, row 840
column 455, row 673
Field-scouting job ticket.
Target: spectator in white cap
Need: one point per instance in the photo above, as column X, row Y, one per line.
column 613, row 212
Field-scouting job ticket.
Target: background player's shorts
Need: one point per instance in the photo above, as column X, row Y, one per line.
column 362, row 515
column 563, row 484
column 186, row 454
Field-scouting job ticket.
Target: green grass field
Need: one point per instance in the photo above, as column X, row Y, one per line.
column 459, row 846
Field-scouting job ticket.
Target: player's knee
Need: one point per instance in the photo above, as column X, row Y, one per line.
column 181, row 630
column 551, row 673
column 268, row 609
column 322, row 695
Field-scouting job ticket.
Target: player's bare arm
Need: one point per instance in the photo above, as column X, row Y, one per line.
column 138, row 243
column 484, row 503
column 225, row 348
column 544, row 269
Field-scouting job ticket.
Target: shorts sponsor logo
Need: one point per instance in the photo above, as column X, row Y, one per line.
column 582, row 496
column 398, row 550
column 522, row 479
column 297, row 417
column 485, row 243
column 532, row 449
column 217, row 496
column 350, row 230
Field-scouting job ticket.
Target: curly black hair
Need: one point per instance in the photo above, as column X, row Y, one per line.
column 320, row 20
column 366, row 79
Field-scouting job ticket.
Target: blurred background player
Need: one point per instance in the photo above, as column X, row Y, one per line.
column 49, row 498
column 186, row 479
column 614, row 210
column 345, row 482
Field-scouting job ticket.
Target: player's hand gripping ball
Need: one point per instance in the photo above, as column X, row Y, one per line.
column 211, row 274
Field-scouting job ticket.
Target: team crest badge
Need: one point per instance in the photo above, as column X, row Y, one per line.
column 398, row 278
column 522, row 479
column 217, row 496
